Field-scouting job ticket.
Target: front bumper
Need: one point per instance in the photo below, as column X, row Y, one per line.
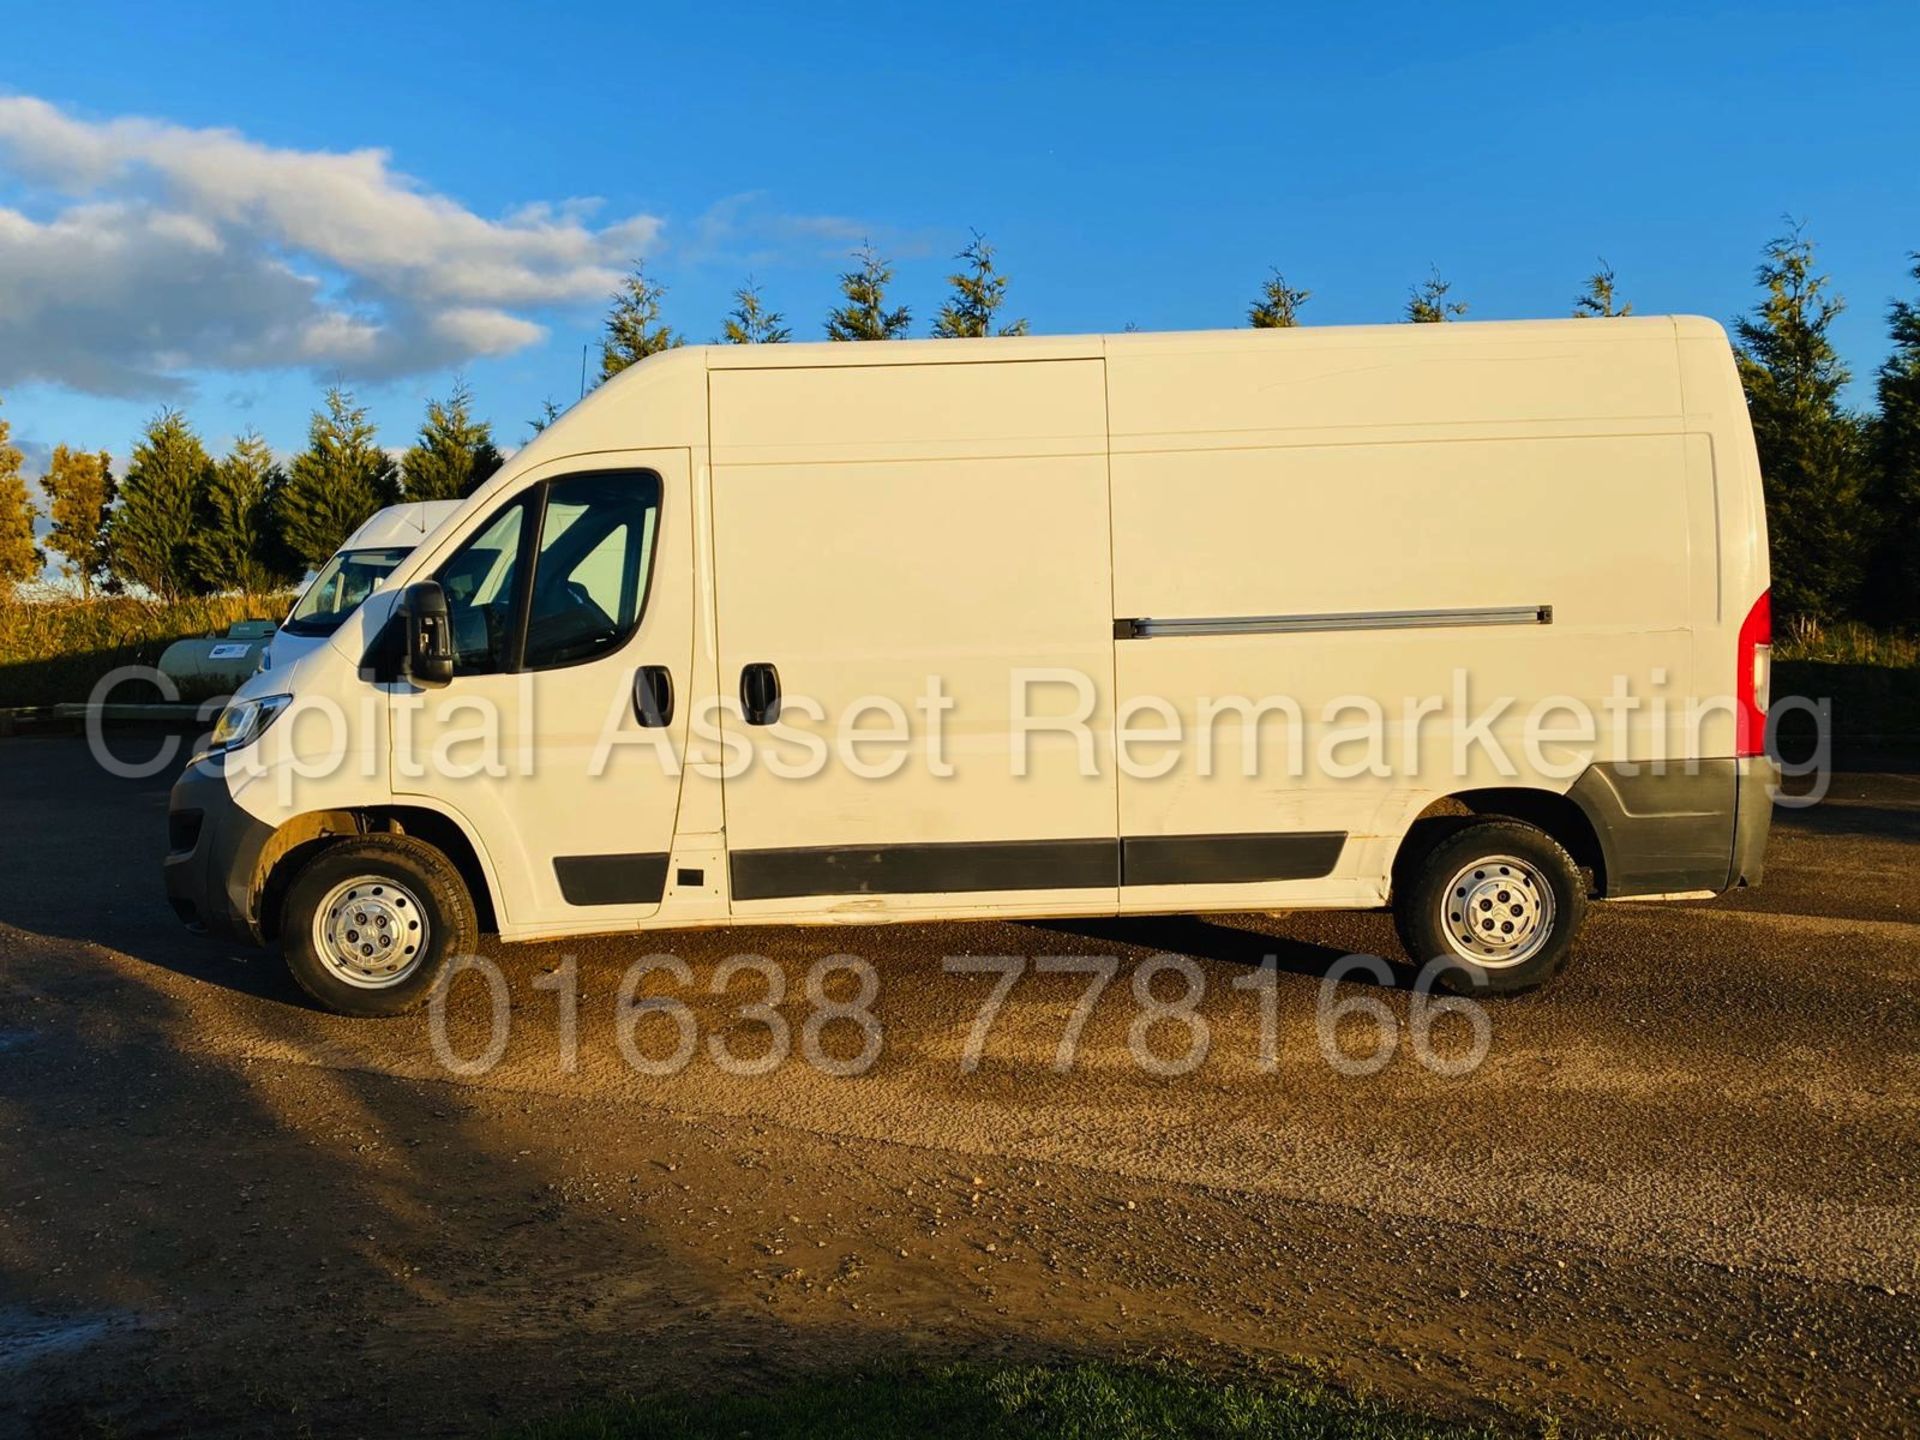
column 214, row 850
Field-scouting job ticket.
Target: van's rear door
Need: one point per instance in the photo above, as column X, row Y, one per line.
column 917, row 550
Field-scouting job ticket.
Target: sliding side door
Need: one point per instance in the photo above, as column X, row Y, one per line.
column 911, row 558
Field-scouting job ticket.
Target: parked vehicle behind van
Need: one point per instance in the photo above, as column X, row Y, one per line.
column 1470, row 620
column 351, row 573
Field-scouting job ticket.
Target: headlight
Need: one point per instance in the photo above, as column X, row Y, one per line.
column 245, row 721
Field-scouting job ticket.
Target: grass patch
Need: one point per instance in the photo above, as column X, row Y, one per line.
column 1077, row 1402
column 1845, row 642
column 53, row 650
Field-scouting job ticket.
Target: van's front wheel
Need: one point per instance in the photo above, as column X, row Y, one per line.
column 370, row 924
column 1499, row 899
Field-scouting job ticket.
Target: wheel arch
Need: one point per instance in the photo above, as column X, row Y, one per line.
column 298, row 840
column 1559, row 816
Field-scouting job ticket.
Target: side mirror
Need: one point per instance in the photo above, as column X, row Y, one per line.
column 429, row 632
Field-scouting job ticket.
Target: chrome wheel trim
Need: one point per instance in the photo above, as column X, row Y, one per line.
column 1497, row 912
column 371, row 932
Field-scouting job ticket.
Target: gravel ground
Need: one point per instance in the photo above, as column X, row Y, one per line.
column 1678, row 1194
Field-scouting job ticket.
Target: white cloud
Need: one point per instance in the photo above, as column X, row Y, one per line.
column 160, row 249
column 485, row 332
column 744, row 231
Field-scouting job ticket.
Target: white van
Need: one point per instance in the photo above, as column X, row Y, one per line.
column 1470, row 620
column 353, row 572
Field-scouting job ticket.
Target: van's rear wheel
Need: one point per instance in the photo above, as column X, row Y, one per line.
column 370, row 924
column 1499, row 899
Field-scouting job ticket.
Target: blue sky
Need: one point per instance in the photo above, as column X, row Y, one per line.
column 1131, row 163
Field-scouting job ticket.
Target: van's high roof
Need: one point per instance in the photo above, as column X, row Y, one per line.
column 398, row 525
column 1084, row 347
column 675, row 383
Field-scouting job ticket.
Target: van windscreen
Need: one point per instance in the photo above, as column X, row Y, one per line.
column 336, row 592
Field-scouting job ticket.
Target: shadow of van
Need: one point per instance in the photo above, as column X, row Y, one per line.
column 1201, row 938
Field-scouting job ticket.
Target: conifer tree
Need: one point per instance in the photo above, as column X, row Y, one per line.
column 1427, row 304
column 751, row 323
column 454, row 454
column 80, row 493
column 239, row 544
column 1278, row 307
column 634, row 328
column 978, row 293
column 150, row 535
column 1597, row 301
column 20, row 557
column 1811, row 450
column 340, row 479
column 550, row 411
column 865, row 315
column 1894, row 495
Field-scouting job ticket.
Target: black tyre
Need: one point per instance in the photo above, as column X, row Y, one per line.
column 370, row 924
column 1500, row 899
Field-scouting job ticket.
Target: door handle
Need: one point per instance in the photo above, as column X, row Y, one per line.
column 760, row 693
column 653, row 696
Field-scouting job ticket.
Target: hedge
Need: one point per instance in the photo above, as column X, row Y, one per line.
column 56, row 649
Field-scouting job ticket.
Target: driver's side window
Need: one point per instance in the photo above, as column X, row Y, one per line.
column 589, row 582
column 589, row 578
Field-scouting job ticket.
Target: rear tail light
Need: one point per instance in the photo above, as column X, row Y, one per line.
column 1753, row 677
